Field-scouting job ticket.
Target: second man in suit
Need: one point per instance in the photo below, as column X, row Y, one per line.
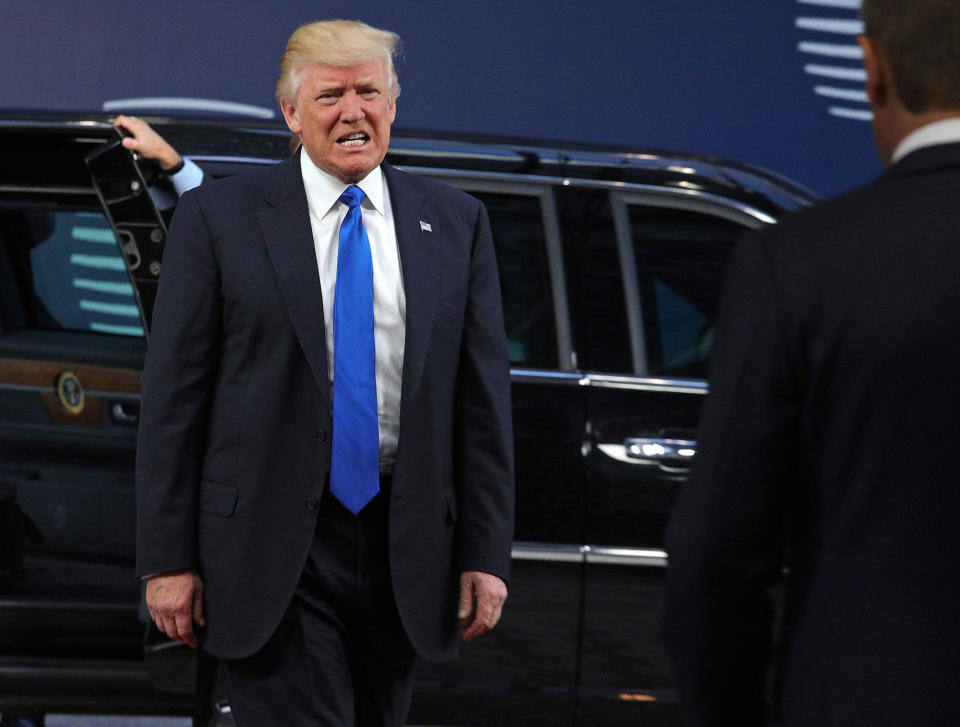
column 829, row 439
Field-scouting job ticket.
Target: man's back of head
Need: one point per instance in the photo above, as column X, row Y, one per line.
column 921, row 41
column 912, row 58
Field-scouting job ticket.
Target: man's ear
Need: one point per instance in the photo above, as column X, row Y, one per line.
column 290, row 115
column 878, row 80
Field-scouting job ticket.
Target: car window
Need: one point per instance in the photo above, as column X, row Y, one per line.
column 520, row 241
column 679, row 257
column 72, row 271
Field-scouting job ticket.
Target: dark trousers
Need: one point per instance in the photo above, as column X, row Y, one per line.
column 340, row 656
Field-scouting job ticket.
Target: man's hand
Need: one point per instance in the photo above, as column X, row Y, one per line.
column 175, row 601
column 481, row 601
column 146, row 142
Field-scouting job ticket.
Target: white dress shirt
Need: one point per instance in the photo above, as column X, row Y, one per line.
column 946, row 131
column 183, row 181
column 389, row 301
column 187, row 178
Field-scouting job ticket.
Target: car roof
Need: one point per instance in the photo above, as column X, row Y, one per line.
column 245, row 142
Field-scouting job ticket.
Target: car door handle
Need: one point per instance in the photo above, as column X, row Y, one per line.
column 674, row 451
column 125, row 414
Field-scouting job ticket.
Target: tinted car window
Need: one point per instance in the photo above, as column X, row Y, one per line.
column 680, row 257
column 77, row 274
column 520, row 241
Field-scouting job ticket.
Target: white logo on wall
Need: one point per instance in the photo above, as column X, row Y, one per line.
column 833, row 58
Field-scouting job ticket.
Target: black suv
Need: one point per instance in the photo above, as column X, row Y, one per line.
column 610, row 264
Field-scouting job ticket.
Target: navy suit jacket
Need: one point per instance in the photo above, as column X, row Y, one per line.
column 234, row 441
column 829, row 444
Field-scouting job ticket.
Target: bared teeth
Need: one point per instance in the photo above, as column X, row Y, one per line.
column 356, row 139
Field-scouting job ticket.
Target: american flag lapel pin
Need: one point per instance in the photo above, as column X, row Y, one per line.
column 425, row 226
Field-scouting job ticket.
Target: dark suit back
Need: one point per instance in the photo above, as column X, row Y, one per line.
column 829, row 443
column 234, row 442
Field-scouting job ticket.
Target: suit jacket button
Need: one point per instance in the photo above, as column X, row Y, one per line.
column 321, row 435
column 312, row 503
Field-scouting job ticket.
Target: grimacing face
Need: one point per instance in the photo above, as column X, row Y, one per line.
column 343, row 115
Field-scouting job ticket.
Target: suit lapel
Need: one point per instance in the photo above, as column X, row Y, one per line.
column 419, row 262
column 285, row 224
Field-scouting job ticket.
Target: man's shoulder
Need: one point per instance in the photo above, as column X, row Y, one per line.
column 826, row 247
column 828, row 212
column 238, row 189
column 880, row 207
column 832, row 222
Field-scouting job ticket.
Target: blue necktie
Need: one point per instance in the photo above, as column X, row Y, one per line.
column 355, row 459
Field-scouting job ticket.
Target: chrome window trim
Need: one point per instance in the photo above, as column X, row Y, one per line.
column 702, row 205
column 609, row 555
column 626, row 187
column 547, row 552
column 639, row 160
column 648, row 383
column 786, row 192
column 631, row 286
column 498, row 155
column 558, row 281
column 538, row 376
column 581, row 554
column 53, row 125
column 609, row 381
column 551, row 231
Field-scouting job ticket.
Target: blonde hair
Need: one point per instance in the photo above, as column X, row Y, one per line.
column 336, row 43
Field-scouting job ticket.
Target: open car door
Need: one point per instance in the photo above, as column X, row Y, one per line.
column 138, row 226
column 80, row 247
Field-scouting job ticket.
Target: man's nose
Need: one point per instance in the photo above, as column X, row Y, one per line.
column 351, row 107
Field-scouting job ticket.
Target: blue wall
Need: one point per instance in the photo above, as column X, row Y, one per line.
column 728, row 79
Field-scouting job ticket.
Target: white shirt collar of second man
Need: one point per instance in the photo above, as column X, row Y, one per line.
column 946, row 131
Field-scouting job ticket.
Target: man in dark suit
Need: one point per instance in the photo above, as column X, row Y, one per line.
column 829, row 439
column 324, row 468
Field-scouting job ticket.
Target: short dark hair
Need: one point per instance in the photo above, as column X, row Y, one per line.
column 921, row 40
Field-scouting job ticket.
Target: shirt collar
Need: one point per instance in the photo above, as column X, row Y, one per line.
column 324, row 190
column 946, row 131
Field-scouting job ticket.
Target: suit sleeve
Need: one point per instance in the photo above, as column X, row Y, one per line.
column 483, row 430
column 178, row 378
column 725, row 538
